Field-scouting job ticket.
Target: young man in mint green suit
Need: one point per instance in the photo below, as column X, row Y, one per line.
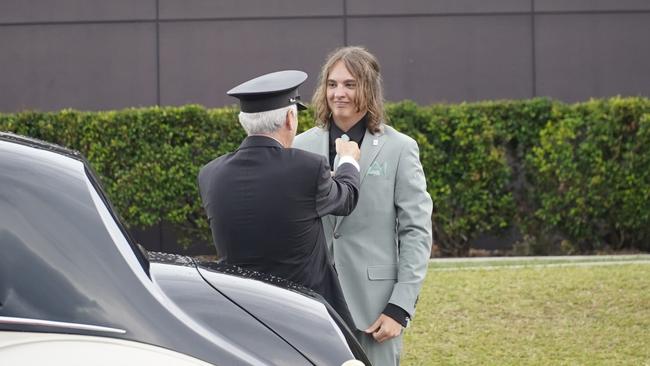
column 381, row 250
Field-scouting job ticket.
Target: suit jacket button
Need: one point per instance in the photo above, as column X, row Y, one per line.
column 337, row 235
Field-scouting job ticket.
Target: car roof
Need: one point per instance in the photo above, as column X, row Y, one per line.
column 40, row 144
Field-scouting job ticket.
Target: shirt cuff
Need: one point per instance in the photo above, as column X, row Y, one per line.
column 349, row 159
column 396, row 313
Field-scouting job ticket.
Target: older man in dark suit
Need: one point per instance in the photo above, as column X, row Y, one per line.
column 265, row 200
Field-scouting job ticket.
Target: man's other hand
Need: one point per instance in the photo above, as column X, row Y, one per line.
column 384, row 328
column 348, row 148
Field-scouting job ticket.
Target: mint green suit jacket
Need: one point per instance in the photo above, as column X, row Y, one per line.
column 382, row 249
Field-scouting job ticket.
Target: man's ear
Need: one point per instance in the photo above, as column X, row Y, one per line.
column 287, row 120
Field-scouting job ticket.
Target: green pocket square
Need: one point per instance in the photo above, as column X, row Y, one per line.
column 377, row 169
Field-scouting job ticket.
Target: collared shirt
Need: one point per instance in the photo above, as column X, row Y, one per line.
column 355, row 133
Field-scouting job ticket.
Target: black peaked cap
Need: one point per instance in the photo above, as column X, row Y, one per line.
column 271, row 91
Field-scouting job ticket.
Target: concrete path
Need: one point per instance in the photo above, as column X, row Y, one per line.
column 492, row 263
column 569, row 258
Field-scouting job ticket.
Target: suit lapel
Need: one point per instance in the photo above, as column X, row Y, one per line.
column 372, row 144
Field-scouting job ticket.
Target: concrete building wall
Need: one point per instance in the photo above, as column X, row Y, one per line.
column 97, row 55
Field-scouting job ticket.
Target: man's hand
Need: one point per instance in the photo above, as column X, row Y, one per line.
column 384, row 328
column 347, row 148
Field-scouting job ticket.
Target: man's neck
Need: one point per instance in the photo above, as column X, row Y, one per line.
column 347, row 124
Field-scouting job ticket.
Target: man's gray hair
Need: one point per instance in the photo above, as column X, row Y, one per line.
column 265, row 122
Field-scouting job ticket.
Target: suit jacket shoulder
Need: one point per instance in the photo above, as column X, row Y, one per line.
column 204, row 175
column 392, row 134
column 310, row 138
column 304, row 155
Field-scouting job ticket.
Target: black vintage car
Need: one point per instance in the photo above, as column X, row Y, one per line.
column 76, row 289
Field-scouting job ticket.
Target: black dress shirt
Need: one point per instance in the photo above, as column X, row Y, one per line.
column 355, row 133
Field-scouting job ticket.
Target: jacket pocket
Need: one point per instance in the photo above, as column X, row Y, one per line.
column 382, row 272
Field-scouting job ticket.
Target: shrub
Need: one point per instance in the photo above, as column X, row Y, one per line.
column 592, row 170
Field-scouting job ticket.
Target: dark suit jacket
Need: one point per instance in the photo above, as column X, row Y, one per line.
column 265, row 203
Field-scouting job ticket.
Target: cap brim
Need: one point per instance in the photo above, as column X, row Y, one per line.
column 301, row 107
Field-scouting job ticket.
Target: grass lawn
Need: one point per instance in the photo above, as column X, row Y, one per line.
column 532, row 315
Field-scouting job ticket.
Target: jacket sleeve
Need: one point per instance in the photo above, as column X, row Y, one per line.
column 414, row 208
column 339, row 194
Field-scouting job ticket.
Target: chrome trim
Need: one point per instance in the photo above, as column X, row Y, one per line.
column 50, row 323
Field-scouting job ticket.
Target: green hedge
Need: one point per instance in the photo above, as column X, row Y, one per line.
column 569, row 178
column 592, row 173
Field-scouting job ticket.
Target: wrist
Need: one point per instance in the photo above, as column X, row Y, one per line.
column 348, row 159
column 397, row 313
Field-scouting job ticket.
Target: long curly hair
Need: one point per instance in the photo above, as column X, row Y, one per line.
column 365, row 69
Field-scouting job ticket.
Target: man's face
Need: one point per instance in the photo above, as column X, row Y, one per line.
column 341, row 96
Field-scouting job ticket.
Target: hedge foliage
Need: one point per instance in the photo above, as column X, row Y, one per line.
column 568, row 178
